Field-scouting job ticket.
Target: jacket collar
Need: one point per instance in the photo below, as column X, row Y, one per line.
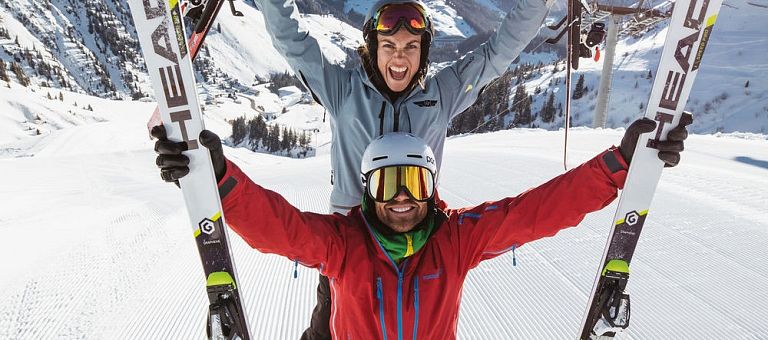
column 438, row 217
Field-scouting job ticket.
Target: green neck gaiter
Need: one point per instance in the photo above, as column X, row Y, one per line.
column 399, row 245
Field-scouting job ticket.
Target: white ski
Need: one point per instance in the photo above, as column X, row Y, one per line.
column 608, row 310
column 160, row 27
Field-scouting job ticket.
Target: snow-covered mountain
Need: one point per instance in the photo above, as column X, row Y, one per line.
column 83, row 46
column 89, row 47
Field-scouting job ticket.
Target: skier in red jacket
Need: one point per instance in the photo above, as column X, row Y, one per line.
column 397, row 263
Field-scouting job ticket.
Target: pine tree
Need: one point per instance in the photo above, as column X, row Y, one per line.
column 257, row 133
column 578, row 92
column 294, row 139
column 20, row 75
column 548, row 110
column 522, row 107
column 527, row 110
column 274, row 138
column 4, row 72
column 285, row 142
column 520, row 94
column 239, row 130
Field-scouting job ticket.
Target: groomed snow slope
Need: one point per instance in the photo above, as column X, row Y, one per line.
column 96, row 246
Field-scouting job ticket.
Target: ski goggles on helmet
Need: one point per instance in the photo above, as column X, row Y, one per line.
column 385, row 183
column 389, row 18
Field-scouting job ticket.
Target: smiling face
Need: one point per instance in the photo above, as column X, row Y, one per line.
column 401, row 214
column 398, row 58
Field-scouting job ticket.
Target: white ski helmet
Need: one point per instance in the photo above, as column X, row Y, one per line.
column 397, row 148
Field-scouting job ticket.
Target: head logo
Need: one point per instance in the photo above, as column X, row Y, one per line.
column 688, row 59
column 632, row 218
column 430, row 160
column 207, row 226
column 174, row 96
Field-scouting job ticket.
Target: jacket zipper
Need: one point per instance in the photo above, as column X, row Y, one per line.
column 399, row 305
column 380, row 294
column 381, row 118
column 396, row 126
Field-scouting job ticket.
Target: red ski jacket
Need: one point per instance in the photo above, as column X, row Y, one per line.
column 374, row 298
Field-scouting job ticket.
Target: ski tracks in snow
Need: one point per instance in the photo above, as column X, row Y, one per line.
column 101, row 248
column 86, row 238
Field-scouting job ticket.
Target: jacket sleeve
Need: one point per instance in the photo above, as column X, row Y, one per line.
column 493, row 228
column 460, row 84
column 326, row 81
column 269, row 224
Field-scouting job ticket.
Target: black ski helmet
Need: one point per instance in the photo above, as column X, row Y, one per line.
column 371, row 36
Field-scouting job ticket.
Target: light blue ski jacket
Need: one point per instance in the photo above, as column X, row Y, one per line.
column 358, row 110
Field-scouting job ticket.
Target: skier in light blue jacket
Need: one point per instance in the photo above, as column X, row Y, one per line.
column 391, row 91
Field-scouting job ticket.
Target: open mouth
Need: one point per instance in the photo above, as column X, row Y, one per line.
column 401, row 210
column 398, row 73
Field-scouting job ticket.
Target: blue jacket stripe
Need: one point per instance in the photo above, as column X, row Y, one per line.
column 415, row 306
column 399, row 306
column 380, row 295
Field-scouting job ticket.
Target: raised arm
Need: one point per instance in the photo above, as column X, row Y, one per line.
column 460, row 83
column 325, row 80
column 493, row 228
column 268, row 223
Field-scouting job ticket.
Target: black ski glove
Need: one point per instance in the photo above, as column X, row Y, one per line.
column 174, row 165
column 669, row 150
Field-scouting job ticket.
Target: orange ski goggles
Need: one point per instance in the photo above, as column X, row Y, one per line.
column 384, row 184
column 390, row 18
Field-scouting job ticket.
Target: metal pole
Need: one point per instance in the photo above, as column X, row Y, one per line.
column 604, row 93
column 568, row 60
